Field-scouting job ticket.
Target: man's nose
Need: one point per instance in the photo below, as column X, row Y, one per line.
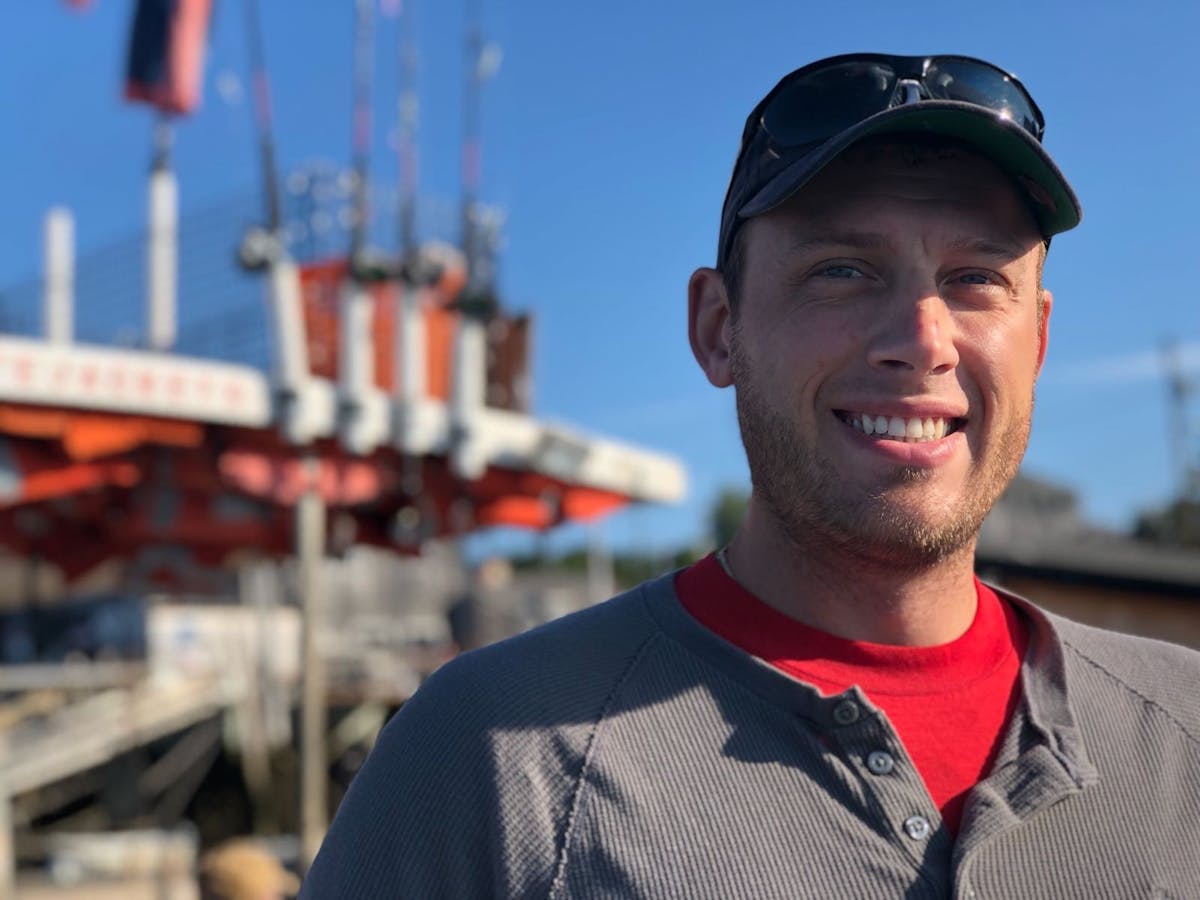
column 914, row 333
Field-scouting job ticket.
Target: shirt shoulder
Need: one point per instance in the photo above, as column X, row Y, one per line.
column 590, row 648
column 471, row 785
column 1162, row 675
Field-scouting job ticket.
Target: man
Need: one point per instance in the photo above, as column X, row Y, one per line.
column 832, row 706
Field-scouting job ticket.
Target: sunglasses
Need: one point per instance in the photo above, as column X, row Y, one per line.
column 825, row 98
column 814, row 113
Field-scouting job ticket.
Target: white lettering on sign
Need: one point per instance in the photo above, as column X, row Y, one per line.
column 139, row 382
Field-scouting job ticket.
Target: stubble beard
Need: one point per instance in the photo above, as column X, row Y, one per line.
column 818, row 512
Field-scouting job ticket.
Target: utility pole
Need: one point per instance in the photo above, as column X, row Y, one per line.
column 314, row 766
column 1183, row 393
column 8, row 850
column 265, row 248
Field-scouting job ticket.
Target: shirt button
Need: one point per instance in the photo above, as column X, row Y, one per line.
column 917, row 827
column 880, row 762
column 846, row 712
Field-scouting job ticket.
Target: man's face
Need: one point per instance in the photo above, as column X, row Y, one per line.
column 885, row 351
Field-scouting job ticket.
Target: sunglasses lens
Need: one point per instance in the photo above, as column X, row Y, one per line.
column 982, row 85
column 827, row 101
column 824, row 102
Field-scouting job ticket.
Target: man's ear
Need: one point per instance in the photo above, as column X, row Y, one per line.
column 1044, row 331
column 710, row 327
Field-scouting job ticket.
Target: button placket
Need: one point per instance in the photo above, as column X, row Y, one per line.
column 868, row 743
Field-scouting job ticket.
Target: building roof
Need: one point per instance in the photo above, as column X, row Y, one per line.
column 1036, row 527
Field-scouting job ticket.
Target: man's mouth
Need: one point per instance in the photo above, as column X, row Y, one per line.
column 907, row 429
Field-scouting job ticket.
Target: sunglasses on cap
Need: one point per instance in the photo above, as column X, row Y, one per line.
column 816, row 112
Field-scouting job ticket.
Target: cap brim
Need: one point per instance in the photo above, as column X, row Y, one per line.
column 1004, row 142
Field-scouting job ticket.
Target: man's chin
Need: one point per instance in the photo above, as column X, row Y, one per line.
column 916, row 544
column 899, row 536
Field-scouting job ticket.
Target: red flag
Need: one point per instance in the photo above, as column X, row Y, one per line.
column 78, row 4
column 166, row 53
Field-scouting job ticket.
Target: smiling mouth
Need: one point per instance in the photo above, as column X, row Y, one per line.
column 908, row 430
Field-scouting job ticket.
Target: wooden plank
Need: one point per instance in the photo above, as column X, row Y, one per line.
column 90, row 732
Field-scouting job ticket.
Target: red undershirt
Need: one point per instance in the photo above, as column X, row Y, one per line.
column 949, row 704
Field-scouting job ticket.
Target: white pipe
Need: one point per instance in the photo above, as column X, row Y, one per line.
column 356, row 369
column 356, row 351
column 58, row 298
column 292, row 376
column 291, row 363
column 410, row 342
column 468, row 458
column 409, row 386
column 162, row 257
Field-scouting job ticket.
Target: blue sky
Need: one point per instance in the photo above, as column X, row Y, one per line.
column 609, row 132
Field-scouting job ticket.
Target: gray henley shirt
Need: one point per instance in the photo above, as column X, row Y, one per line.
column 626, row 751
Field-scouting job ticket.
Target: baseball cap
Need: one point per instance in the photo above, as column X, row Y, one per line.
column 819, row 110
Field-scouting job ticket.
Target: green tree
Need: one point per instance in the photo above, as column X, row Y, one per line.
column 1178, row 523
column 726, row 514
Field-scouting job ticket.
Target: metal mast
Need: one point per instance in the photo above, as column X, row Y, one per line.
column 407, row 118
column 262, row 117
column 364, row 62
column 482, row 59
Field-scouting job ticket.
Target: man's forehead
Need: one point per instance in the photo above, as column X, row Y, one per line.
column 961, row 191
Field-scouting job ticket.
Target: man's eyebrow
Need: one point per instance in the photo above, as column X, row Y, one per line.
column 1004, row 249
column 858, row 240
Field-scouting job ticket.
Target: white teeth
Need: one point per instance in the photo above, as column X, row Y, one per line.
column 909, row 430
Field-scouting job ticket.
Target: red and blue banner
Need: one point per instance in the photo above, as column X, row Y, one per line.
column 166, row 53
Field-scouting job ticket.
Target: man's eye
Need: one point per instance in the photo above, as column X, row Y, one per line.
column 841, row 272
column 974, row 278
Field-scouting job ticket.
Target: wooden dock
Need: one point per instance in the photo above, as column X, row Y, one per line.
column 53, row 744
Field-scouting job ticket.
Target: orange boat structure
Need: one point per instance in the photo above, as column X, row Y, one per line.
column 404, row 413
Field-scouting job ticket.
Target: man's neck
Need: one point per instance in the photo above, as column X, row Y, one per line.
column 851, row 595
